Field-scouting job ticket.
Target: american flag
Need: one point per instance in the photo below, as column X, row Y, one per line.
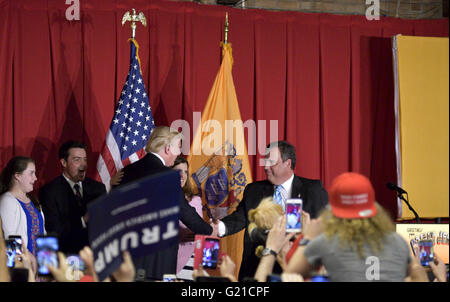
column 131, row 125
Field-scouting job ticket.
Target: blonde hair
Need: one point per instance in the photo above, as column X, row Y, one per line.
column 354, row 233
column 161, row 137
column 264, row 216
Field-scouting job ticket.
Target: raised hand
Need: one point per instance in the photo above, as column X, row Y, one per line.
column 87, row 256
column 227, row 268
column 277, row 237
column 126, row 272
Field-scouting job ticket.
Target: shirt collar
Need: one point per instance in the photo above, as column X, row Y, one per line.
column 287, row 186
column 159, row 156
column 71, row 183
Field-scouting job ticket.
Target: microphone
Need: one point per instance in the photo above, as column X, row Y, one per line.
column 400, row 193
column 393, row 187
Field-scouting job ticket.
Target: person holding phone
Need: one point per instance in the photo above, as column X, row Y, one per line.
column 281, row 184
column 354, row 239
column 20, row 211
column 24, row 261
column 435, row 264
column 263, row 218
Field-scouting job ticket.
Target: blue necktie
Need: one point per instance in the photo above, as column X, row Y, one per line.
column 277, row 197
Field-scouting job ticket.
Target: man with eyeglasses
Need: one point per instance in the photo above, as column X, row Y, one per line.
column 282, row 184
column 163, row 147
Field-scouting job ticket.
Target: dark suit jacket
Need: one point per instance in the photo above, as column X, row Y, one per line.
column 314, row 196
column 163, row 261
column 63, row 213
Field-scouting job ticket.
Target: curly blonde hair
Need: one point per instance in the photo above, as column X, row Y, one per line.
column 264, row 216
column 356, row 232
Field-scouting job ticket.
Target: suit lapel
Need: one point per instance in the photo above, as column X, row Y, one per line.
column 267, row 190
column 67, row 201
column 297, row 188
column 85, row 189
column 65, row 184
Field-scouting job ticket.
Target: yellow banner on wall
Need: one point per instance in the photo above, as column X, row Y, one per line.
column 423, row 124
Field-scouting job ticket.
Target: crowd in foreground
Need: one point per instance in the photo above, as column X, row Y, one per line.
column 344, row 236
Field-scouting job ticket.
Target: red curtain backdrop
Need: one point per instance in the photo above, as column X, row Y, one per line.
column 326, row 79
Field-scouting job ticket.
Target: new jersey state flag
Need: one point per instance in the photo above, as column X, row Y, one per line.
column 218, row 159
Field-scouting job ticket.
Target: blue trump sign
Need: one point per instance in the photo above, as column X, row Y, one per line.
column 141, row 217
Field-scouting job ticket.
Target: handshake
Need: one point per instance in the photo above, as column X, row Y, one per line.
column 214, row 223
column 186, row 235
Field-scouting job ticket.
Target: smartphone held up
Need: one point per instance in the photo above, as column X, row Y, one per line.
column 294, row 215
column 46, row 254
column 425, row 248
column 426, row 252
column 13, row 248
column 206, row 251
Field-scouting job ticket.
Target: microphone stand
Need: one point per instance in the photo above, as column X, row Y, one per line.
column 400, row 195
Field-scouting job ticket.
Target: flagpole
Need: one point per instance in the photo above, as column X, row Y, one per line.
column 226, row 29
column 133, row 18
column 121, row 148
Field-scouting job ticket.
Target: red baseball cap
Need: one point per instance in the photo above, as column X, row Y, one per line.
column 352, row 196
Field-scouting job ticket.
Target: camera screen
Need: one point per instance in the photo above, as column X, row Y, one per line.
column 273, row 278
column 47, row 248
column 10, row 252
column 169, row 278
column 426, row 253
column 294, row 216
column 210, row 253
column 17, row 244
column 319, row 278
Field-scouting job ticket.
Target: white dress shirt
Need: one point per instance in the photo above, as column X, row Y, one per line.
column 159, row 156
column 72, row 184
column 286, row 193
